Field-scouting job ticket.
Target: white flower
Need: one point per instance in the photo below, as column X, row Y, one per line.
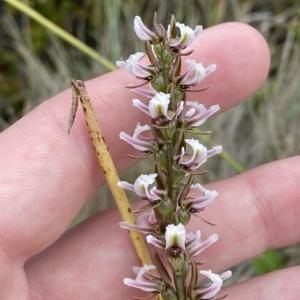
column 199, row 155
column 142, row 188
column 135, row 68
column 187, row 36
column 159, row 104
column 175, row 236
column 211, row 290
column 197, row 158
column 158, row 107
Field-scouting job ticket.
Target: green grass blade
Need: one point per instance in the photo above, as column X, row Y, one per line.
column 227, row 157
column 61, row 33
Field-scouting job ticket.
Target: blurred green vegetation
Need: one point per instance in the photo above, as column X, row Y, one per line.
column 32, row 58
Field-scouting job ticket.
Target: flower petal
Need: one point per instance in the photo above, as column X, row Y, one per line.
column 142, row 32
column 198, row 114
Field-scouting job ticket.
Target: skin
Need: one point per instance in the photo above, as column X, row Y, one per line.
column 47, row 176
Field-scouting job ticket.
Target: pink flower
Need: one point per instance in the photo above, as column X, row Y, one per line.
column 195, row 246
column 142, row 32
column 138, row 141
column 144, row 224
column 198, row 114
column 145, row 280
column 194, row 74
column 194, row 205
column 152, row 239
column 137, row 69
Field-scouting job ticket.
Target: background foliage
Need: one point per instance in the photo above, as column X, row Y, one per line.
column 35, row 65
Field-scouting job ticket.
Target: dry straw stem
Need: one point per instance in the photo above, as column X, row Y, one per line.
column 107, row 165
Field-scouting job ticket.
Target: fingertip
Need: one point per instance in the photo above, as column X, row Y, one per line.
column 242, row 57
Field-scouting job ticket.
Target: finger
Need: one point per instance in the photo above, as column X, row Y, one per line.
column 256, row 211
column 253, row 210
column 278, row 285
column 91, row 263
column 50, row 175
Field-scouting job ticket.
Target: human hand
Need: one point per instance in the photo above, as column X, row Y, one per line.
column 47, row 176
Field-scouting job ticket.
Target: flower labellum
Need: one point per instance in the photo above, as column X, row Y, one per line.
column 175, row 238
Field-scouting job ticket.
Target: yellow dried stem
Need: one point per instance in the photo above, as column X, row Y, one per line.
column 107, row 165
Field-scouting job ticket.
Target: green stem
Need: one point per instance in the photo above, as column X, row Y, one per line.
column 61, row 33
column 172, row 191
column 179, row 286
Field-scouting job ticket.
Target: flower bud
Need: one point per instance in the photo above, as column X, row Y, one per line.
column 169, row 294
column 166, row 208
column 176, row 175
column 159, row 84
column 143, row 33
column 183, row 216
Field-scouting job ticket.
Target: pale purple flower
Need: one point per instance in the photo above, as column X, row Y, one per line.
column 145, row 280
column 187, row 36
column 151, row 239
column 138, row 141
column 214, row 150
column 135, row 68
column 213, row 288
column 194, row 74
column 150, row 93
column 194, row 245
column 142, row 188
column 158, row 107
column 198, row 114
column 144, row 223
column 194, row 205
column 142, row 32
column 175, row 236
column 199, row 155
